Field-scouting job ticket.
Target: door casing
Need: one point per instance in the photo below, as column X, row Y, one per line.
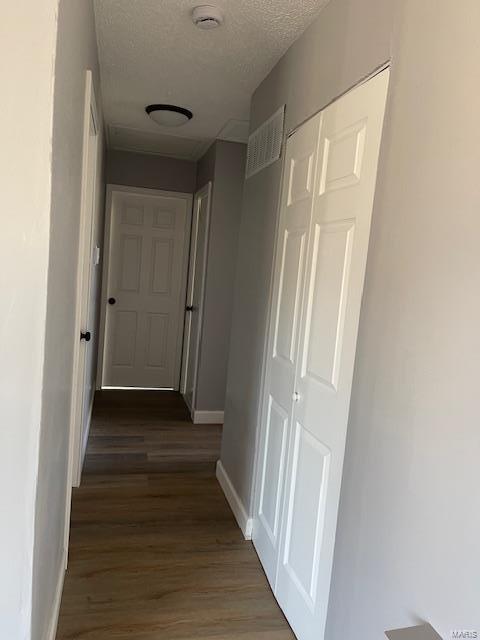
column 193, row 279
column 84, row 276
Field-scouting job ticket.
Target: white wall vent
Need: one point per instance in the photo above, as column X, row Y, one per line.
column 265, row 143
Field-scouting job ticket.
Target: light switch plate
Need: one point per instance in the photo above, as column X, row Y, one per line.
column 423, row 632
column 96, row 256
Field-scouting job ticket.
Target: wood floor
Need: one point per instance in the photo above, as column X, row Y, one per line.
column 155, row 553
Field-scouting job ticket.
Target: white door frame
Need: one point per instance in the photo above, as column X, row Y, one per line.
column 84, row 272
column 205, row 190
column 111, row 190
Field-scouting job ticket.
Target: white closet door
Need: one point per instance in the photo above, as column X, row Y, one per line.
column 295, row 216
column 337, row 254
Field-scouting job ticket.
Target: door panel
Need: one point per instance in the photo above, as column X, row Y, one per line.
column 157, row 340
column 305, row 511
column 147, row 278
column 295, row 215
column 326, row 301
column 130, row 263
column 195, row 292
column 273, row 468
column 288, row 303
column 336, row 258
column 343, row 157
column 125, row 339
column 162, row 267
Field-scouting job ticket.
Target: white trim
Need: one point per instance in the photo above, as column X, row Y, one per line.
column 236, row 505
column 207, row 417
column 53, row 624
column 110, row 191
column 205, row 191
column 76, row 480
column 76, row 403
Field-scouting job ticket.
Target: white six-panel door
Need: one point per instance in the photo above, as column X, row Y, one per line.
column 304, row 472
column 144, row 293
column 295, row 215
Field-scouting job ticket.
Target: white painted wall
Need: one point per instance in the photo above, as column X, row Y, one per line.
column 76, row 52
column 27, row 43
column 407, row 543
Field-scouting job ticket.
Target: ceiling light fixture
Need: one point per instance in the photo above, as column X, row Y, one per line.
column 207, row 17
column 168, row 115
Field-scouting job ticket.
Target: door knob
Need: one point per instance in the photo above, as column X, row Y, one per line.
column 189, row 308
column 112, row 301
column 296, row 396
column 87, row 336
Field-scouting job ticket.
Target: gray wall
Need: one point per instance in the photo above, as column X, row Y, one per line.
column 206, row 167
column 409, row 525
column 150, row 171
column 356, row 35
column 409, row 522
column 27, row 43
column 76, row 52
column 224, row 164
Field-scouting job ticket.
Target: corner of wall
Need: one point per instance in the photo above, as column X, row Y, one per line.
column 244, row 521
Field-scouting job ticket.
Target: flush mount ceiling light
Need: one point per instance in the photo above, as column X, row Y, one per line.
column 168, row 115
column 207, row 17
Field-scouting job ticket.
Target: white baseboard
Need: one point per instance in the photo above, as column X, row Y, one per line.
column 208, row 417
column 244, row 522
column 52, row 627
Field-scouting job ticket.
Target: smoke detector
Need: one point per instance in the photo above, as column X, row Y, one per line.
column 207, row 17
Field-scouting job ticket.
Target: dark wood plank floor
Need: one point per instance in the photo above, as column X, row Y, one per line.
column 155, row 552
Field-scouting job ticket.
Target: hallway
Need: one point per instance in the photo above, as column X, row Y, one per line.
column 155, row 551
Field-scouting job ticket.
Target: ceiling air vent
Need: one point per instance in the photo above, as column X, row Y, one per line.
column 265, row 143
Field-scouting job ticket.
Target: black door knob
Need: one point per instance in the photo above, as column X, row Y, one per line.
column 189, row 308
column 87, row 336
column 111, row 301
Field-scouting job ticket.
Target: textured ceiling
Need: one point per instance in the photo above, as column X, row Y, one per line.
column 150, row 52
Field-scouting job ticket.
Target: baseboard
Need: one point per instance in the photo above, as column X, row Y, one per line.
column 208, row 417
column 236, row 505
column 52, row 627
